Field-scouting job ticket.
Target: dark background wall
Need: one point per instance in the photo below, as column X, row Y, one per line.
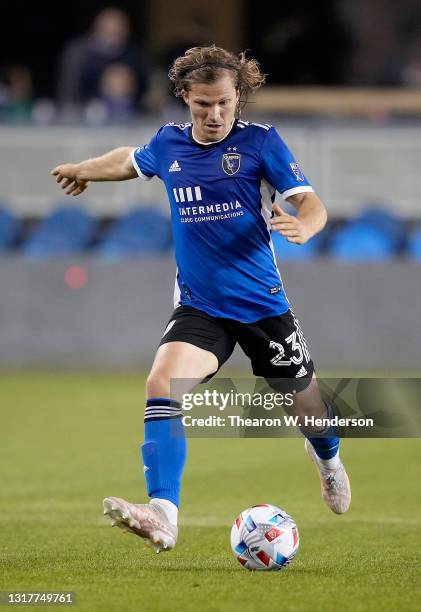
column 325, row 42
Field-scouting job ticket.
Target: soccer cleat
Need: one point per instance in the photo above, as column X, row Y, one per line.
column 336, row 489
column 145, row 520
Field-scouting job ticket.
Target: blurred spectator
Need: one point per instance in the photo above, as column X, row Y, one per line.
column 117, row 100
column 411, row 70
column 380, row 51
column 85, row 60
column 16, row 98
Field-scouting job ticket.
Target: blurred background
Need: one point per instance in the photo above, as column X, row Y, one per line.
column 88, row 282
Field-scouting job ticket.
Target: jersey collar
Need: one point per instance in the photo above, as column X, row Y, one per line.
column 210, row 145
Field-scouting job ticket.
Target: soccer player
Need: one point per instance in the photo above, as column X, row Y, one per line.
column 221, row 174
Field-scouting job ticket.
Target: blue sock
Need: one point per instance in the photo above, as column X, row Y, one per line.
column 164, row 449
column 325, row 448
column 327, row 443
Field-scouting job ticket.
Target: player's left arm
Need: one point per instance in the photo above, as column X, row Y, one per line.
column 310, row 220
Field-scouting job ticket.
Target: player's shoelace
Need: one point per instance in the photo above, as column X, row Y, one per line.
column 334, row 484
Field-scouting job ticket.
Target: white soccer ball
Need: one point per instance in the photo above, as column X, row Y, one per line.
column 264, row 537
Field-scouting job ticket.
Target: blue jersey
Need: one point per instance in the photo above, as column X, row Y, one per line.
column 221, row 197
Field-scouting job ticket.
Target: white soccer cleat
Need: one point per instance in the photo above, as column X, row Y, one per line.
column 336, row 489
column 145, row 520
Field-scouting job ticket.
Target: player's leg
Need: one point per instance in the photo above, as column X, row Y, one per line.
column 182, row 362
column 322, row 445
column 193, row 348
column 194, row 345
column 278, row 352
column 164, row 448
column 176, row 368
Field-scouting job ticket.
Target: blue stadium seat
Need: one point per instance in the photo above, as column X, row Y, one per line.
column 139, row 233
column 361, row 242
column 9, row 228
column 67, row 230
column 384, row 220
column 285, row 250
column 413, row 249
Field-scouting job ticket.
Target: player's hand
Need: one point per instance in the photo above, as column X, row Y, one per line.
column 66, row 177
column 292, row 228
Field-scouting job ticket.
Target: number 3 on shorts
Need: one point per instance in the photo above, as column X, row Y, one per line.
column 297, row 347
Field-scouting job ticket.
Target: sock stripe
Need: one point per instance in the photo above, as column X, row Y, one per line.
column 162, row 401
column 166, row 408
column 163, row 409
column 162, row 412
column 162, row 418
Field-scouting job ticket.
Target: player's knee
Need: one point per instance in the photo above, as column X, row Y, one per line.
column 158, row 384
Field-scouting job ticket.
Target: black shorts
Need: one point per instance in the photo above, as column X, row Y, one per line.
column 275, row 346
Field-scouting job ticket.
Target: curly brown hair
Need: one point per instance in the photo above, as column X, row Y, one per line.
column 207, row 65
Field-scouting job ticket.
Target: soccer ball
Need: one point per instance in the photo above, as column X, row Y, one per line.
column 264, row 537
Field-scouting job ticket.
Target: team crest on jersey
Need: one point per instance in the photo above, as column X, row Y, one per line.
column 297, row 171
column 231, row 163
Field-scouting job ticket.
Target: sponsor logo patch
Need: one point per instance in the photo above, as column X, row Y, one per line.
column 301, row 372
column 175, row 167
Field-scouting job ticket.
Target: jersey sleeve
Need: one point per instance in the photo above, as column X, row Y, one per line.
column 280, row 168
column 145, row 160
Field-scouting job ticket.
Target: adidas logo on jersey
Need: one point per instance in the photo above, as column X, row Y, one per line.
column 175, row 167
column 301, row 372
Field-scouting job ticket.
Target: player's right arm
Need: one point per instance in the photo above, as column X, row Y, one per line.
column 117, row 165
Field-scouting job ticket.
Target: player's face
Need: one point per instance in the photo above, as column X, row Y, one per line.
column 212, row 107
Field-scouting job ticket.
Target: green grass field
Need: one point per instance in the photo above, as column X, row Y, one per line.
column 69, row 440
